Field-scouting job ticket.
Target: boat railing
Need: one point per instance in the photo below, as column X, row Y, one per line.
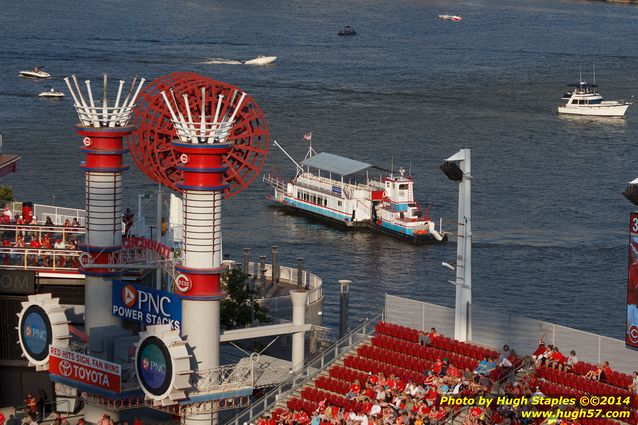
column 493, row 327
column 275, row 182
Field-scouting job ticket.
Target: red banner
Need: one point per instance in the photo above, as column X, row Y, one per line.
column 631, row 336
column 85, row 369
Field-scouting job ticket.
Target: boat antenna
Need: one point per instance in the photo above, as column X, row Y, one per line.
column 580, row 67
column 392, row 167
column 410, row 169
column 289, row 157
column 594, row 66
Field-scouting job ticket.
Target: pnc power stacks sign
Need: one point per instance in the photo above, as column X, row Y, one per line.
column 631, row 335
column 146, row 305
column 85, row 372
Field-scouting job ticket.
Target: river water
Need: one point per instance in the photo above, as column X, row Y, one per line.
column 550, row 224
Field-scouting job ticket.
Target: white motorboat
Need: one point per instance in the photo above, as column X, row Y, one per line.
column 35, row 73
column 261, row 60
column 51, row 93
column 584, row 99
column 455, row 18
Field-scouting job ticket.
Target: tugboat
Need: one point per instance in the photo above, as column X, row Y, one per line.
column 584, row 98
column 342, row 191
column 347, row 30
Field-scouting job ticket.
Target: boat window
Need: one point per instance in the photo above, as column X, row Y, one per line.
column 339, row 203
column 595, row 101
column 403, row 186
column 325, row 202
column 416, row 213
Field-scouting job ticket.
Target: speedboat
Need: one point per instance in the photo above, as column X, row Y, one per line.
column 455, row 18
column 51, row 93
column 583, row 98
column 35, row 73
column 261, row 60
column 347, row 30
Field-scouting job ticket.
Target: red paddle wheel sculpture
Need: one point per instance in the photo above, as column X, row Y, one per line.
column 151, row 147
column 206, row 139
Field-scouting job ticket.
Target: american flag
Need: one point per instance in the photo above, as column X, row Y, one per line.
column 307, row 136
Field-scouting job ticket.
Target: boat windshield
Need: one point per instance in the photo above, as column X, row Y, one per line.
column 582, row 87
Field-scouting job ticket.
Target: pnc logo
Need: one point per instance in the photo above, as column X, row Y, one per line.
column 65, row 368
column 129, row 295
column 33, row 332
column 633, row 334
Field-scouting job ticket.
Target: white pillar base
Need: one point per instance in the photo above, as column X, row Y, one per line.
column 97, row 308
column 200, row 325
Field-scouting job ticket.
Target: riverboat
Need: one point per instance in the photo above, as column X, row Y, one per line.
column 326, row 186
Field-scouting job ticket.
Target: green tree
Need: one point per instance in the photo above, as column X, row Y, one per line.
column 6, row 194
column 236, row 308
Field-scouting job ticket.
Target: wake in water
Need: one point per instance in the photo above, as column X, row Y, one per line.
column 222, row 61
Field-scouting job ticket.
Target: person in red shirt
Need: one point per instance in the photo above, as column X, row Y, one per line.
column 137, row 421
column 301, row 417
column 556, row 359
column 355, row 390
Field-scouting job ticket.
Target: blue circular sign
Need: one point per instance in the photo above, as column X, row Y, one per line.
column 154, row 366
column 35, row 330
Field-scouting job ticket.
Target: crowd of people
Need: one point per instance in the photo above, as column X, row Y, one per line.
column 385, row 400
column 47, row 236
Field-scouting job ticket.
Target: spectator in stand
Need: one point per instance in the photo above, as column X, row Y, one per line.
column 49, row 221
column 540, row 349
column 67, row 223
column 571, row 362
column 485, row 366
column 19, row 219
column 600, row 372
column 34, row 220
column 7, row 216
column 542, row 358
column 429, row 337
column 137, row 421
column 75, row 223
column 355, row 390
column 633, row 387
column 503, row 357
column 31, row 404
column 556, row 359
column 58, row 244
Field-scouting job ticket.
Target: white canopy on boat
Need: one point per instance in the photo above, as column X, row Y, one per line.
column 335, row 164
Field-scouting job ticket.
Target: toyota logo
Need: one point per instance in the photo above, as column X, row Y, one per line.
column 65, row 368
column 633, row 334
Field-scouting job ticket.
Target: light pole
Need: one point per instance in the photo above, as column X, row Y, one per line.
column 457, row 168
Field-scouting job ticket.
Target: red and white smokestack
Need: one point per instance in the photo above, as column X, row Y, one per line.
column 103, row 125
column 202, row 145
